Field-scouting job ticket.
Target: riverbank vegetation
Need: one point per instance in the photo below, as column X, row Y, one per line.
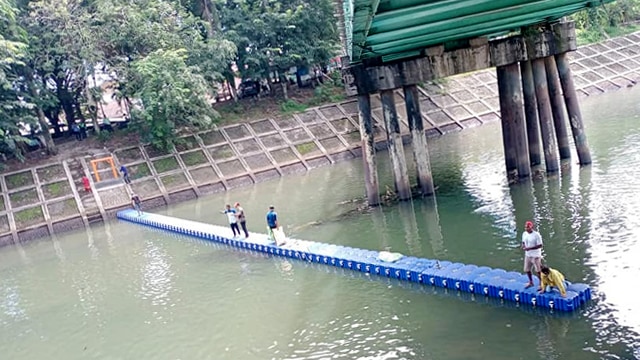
column 164, row 61
column 606, row 21
column 173, row 64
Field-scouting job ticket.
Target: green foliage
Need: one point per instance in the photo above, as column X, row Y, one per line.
column 278, row 34
column 172, row 95
column 607, row 20
column 306, row 148
column 29, row 216
column 166, row 164
column 24, row 197
column 15, row 181
column 57, row 189
column 163, row 57
column 194, row 158
column 327, row 93
column 139, row 171
column 290, row 106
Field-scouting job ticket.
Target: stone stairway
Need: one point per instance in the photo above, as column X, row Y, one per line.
column 87, row 197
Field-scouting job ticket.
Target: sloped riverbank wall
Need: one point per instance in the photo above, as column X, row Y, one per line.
column 51, row 198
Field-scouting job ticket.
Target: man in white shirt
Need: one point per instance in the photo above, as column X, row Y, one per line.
column 532, row 246
column 233, row 221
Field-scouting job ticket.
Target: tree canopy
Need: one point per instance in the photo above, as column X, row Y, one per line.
column 164, row 59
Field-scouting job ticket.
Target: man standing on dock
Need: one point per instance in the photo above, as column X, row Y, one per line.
column 242, row 219
column 233, row 220
column 136, row 203
column 272, row 220
column 532, row 246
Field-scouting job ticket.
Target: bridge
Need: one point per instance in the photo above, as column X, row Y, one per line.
column 392, row 44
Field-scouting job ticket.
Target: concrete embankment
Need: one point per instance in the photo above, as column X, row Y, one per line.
column 50, row 199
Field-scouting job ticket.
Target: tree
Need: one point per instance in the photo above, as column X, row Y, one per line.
column 275, row 35
column 14, row 110
column 172, row 95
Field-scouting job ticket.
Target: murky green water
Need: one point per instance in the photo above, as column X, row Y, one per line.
column 122, row 291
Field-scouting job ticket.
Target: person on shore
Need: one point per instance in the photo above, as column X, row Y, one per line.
column 137, row 204
column 532, row 246
column 83, row 130
column 552, row 278
column 125, row 174
column 86, row 183
column 75, row 129
column 233, row 220
column 241, row 218
column 272, row 220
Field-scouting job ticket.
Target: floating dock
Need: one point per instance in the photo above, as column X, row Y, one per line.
column 479, row 280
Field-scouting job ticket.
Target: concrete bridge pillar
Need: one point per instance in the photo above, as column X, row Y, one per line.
column 396, row 149
column 514, row 136
column 418, row 139
column 573, row 108
column 557, row 107
column 368, row 150
column 545, row 116
column 531, row 112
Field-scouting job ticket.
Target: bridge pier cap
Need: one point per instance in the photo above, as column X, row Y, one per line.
column 435, row 62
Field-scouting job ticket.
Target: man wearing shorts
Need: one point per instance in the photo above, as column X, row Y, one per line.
column 532, row 246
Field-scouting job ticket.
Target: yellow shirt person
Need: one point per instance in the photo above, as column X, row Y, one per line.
column 552, row 278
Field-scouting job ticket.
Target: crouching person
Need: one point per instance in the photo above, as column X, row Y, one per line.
column 552, row 278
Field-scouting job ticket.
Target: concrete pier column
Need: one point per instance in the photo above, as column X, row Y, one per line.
column 531, row 113
column 557, row 107
column 418, row 140
column 545, row 116
column 514, row 136
column 396, row 149
column 368, row 150
column 573, row 108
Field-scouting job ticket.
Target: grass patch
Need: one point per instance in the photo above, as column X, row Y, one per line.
column 139, row 171
column 222, row 152
column 30, row 216
column 290, row 106
column 353, row 137
column 166, row 164
column 185, row 143
column 50, row 173
column 15, row 181
column 2, row 203
column 306, row 148
column 57, row 189
column 24, row 197
column 174, row 180
column 327, row 93
column 194, row 158
column 153, row 152
column 129, row 155
column 212, row 137
column 62, row 209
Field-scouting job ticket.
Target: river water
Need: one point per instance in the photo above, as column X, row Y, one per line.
column 122, row 291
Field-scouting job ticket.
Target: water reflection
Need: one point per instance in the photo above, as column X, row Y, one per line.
column 377, row 336
column 157, row 276
column 11, row 303
column 431, row 219
column 409, row 222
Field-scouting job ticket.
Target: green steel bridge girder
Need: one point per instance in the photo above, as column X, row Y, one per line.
column 396, row 29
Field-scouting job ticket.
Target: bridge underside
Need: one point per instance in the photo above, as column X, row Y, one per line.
column 389, row 30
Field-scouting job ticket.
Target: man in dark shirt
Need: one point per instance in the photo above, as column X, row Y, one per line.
column 135, row 201
column 125, row 174
column 272, row 220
